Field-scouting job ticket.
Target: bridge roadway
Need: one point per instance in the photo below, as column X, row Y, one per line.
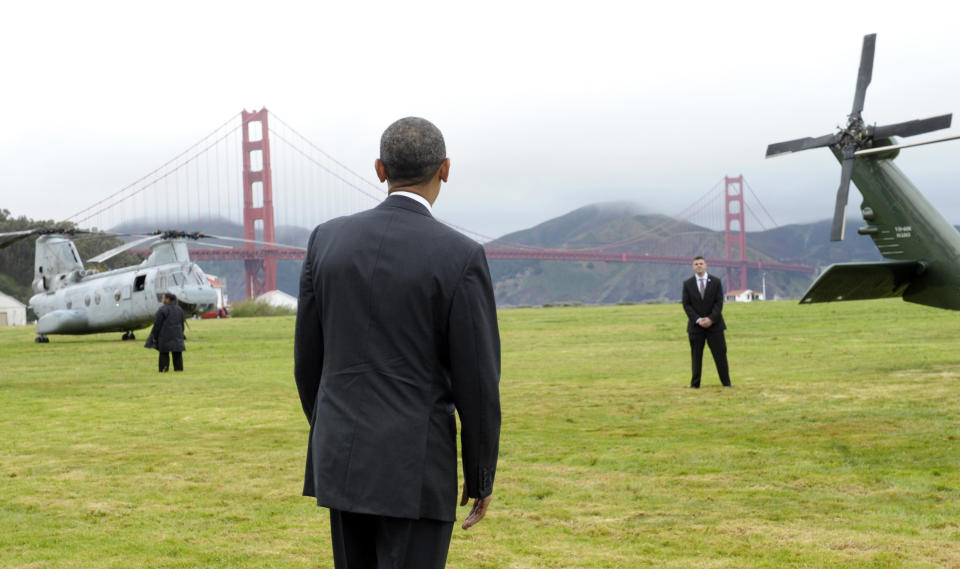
column 517, row 254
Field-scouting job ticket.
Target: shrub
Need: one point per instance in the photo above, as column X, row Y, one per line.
column 250, row 308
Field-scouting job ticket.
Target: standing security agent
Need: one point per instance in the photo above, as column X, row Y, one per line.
column 167, row 333
column 396, row 332
column 703, row 303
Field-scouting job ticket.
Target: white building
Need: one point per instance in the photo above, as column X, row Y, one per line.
column 278, row 298
column 12, row 311
column 745, row 295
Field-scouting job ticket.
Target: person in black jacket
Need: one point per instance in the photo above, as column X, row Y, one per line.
column 396, row 331
column 703, row 303
column 167, row 333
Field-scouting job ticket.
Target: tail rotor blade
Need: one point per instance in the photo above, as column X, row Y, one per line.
column 911, row 128
column 840, row 211
column 865, row 74
column 800, row 144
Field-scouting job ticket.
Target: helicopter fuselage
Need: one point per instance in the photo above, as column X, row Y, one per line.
column 121, row 300
column 922, row 248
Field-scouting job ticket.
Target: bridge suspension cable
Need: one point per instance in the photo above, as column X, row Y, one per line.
column 107, row 200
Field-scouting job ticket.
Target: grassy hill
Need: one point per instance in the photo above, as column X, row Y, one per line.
column 835, row 448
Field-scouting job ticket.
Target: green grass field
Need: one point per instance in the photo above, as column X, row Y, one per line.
column 837, row 447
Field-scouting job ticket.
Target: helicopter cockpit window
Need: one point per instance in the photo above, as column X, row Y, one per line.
column 177, row 278
column 139, row 282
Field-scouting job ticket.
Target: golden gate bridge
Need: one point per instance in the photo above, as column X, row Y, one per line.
column 231, row 175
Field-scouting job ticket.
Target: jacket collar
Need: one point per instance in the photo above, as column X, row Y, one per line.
column 405, row 203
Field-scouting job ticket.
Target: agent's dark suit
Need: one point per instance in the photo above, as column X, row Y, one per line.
column 711, row 306
column 396, row 331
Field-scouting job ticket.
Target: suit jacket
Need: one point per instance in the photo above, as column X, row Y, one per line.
column 711, row 305
column 396, row 331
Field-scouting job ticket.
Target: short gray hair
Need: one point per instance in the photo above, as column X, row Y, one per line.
column 411, row 150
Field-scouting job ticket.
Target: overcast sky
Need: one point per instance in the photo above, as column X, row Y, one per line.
column 546, row 106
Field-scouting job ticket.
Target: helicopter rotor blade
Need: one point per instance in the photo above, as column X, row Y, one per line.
column 120, row 249
column 899, row 146
column 224, row 238
column 840, row 211
column 799, row 144
column 24, row 233
column 865, row 74
column 15, row 236
column 211, row 245
column 911, row 128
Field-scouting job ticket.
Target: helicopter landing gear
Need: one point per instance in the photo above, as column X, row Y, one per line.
column 128, row 336
column 41, row 339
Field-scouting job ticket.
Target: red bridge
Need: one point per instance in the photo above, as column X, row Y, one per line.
column 228, row 177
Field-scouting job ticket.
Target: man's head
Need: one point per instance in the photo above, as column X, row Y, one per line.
column 169, row 297
column 412, row 153
column 699, row 265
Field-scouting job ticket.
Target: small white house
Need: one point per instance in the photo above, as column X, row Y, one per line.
column 12, row 311
column 745, row 295
column 279, row 299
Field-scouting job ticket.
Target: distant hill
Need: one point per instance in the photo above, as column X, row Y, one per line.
column 539, row 282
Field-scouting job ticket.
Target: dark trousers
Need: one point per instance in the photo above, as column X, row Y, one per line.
column 718, row 347
column 364, row 541
column 165, row 361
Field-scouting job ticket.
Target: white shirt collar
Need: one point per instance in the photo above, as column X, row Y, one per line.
column 415, row 197
column 703, row 278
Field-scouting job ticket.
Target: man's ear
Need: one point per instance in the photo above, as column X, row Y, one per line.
column 381, row 171
column 444, row 170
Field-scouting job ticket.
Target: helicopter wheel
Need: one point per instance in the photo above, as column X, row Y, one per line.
column 126, row 336
column 41, row 339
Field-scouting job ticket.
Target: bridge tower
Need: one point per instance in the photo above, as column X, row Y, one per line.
column 733, row 216
column 260, row 261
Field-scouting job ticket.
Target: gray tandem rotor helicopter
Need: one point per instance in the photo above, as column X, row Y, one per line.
column 70, row 299
column 922, row 248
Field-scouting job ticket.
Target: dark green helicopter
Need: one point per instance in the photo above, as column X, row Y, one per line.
column 922, row 248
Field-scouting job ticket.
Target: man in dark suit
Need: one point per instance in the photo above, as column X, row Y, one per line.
column 396, row 331
column 703, row 303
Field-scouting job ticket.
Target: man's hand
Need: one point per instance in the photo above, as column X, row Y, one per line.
column 477, row 512
column 705, row 322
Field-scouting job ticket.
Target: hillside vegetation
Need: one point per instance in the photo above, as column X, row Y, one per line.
column 835, row 448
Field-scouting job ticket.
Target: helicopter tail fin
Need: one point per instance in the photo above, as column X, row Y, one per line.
column 863, row 281
column 55, row 259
